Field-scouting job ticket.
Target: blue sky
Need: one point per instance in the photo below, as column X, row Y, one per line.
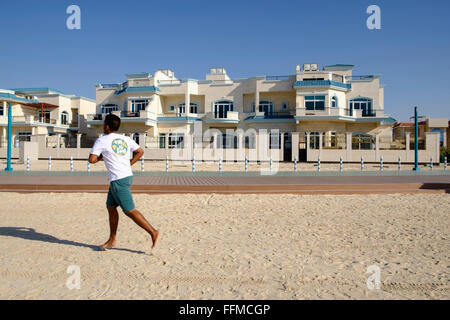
column 248, row 38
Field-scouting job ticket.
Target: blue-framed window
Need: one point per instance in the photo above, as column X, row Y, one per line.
column 315, row 102
column 364, row 104
column 265, row 106
column 139, row 105
column 221, row 108
column 109, row 107
column 193, row 107
column 2, row 110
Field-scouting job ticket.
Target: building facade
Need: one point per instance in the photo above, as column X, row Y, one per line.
column 44, row 114
column 310, row 110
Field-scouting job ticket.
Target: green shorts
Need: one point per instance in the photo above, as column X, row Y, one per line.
column 119, row 194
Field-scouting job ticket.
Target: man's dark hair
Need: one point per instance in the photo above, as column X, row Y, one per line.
column 113, row 122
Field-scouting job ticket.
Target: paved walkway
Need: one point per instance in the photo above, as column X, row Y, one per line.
column 233, row 184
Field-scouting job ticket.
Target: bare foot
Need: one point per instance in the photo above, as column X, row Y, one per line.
column 155, row 238
column 107, row 245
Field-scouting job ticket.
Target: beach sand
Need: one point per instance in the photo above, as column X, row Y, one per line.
column 227, row 247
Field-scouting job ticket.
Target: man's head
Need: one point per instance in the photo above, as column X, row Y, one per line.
column 111, row 124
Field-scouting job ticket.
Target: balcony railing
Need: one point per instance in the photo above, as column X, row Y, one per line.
column 273, row 115
column 321, row 84
column 340, row 112
column 278, row 78
column 360, row 78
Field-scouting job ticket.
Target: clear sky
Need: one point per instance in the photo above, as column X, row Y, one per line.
column 247, row 37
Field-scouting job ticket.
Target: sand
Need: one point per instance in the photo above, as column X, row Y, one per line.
column 227, row 247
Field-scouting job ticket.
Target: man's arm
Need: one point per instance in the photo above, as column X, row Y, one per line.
column 137, row 154
column 93, row 158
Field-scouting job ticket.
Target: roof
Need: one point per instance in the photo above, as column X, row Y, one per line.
column 13, row 98
column 339, row 67
column 34, row 90
column 137, row 89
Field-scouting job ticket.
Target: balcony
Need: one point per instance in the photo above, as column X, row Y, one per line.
column 267, row 116
column 339, row 114
column 148, row 117
column 223, row 117
column 329, row 84
column 179, row 117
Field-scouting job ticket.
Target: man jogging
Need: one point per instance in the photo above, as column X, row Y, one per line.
column 115, row 150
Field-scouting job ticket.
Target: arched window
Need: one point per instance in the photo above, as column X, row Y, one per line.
column 109, row 107
column 221, row 108
column 265, row 106
column 362, row 141
column 64, row 118
column 364, row 104
column 334, row 102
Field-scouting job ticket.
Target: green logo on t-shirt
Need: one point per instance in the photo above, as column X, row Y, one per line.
column 119, row 147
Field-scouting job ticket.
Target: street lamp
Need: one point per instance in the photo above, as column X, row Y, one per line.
column 416, row 139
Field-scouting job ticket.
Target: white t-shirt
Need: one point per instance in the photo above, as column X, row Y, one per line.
column 116, row 150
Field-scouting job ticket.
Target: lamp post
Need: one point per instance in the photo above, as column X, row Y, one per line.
column 8, row 157
column 416, row 140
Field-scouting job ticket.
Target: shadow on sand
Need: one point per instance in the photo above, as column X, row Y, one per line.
column 31, row 234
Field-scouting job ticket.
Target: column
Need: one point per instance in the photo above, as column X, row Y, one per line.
column 240, row 150
column 142, row 138
column 78, row 140
column 349, row 146
column 320, row 143
column 3, row 141
column 295, row 144
column 377, row 147
column 308, row 142
column 256, row 97
column 444, row 137
column 187, row 100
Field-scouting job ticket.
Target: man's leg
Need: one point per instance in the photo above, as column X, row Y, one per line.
column 113, row 223
column 140, row 220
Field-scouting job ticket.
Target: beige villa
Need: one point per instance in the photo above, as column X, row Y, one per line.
column 44, row 114
column 300, row 116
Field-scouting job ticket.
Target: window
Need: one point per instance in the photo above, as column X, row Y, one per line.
column 109, row 107
column 315, row 102
column 284, row 106
column 227, row 141
column 362, row 141
column 363, row 104
column 162, row 140
column 314, row 140
column 193, row 107
column 221, row 108
column 274, row 140
column 249, row 141
column 333, row 140
column 176, row 141
column 172, row 108
column 64, row 118
column 334, row 102
column 43, row 116
column 23, row 136
column 139, row 105
column 2, row 110
column 265, row 106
